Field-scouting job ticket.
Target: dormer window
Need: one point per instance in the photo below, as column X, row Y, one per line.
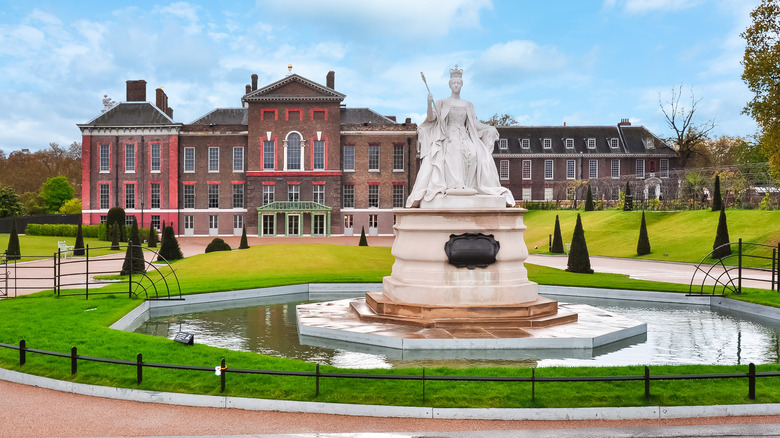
column 503, row 144
column 649, row 144
column 613, row 143
column 569, row 143
column 591, row 143
column 525, row 143
column 547, row 143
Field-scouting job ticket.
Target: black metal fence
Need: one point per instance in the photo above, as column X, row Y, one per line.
column 751, row 375
column 718, row 273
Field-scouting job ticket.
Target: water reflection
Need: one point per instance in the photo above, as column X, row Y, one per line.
column 677, row 334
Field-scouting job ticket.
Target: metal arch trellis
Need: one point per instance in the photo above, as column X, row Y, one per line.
column 164, row 284
column 729, row 277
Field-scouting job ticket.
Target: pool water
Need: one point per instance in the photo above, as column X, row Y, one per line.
column 676, row 334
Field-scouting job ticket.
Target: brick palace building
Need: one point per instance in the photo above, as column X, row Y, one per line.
column 293, row 161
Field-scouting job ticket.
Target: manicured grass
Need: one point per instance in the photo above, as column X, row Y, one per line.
column 36, row 247
column 49, row 323
column 684, row 236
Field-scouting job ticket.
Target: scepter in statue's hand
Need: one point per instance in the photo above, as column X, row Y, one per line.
column 430, row 95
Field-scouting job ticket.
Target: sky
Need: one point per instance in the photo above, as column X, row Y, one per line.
column 546, row 63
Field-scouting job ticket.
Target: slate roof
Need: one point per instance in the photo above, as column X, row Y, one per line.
column 631, row 140
column 356, row 116
column 224, row 116
column 131, row 114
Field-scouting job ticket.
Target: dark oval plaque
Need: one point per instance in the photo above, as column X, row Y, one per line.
column 471, row 250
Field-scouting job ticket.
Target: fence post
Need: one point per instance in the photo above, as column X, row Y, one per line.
column 739, row 275
column 73, row 360
column 423, row 384
column 139, row 360
column 56, row 289
column 22, row 352
column 317, row 382
column 533, row 384
column 130, row 275
column 222, row 376
column 86, row 268
column 752, row 381
column 647, row 382
column 774, row 267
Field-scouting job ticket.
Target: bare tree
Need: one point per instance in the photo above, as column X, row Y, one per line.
column 689, row 137
column 500, row 120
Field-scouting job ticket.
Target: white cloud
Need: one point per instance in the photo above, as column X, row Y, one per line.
column 645, row 6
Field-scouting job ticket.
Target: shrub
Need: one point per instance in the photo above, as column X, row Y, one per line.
column 153, row 239
column 628, row 205
column 557, row 242
column 579, row 260
column 589, row 201
column 14, row 251
column 720, row 248
column 363, row 240
column 116, row 215
column 218, row 245
column 114, row 237
column 169, row 247
column 244, row 242
column 103, row 232
column 78, row 247
column 643, row 245
column 717, row 199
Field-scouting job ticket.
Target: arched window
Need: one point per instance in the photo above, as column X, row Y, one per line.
column 294, row 151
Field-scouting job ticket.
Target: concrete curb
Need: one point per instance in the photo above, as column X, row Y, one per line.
column 211, row 401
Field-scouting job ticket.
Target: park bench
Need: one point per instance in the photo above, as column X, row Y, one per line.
column 65, row 248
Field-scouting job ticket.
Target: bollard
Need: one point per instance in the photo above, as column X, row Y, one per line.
column 317, row 382
column 139, row 360
column 647, row 382
column 423, row 384
column 222, row 376
column 22, row 352
column 533, row 384
column 752, row 381
column 73, row 360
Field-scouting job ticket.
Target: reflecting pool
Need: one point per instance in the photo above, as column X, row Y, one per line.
column 676, row 334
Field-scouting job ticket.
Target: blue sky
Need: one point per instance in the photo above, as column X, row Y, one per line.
column 546, row 63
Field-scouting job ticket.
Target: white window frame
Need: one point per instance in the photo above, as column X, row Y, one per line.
column 549, row 169
column 129, row 196
column 571, row 169
column 105, row 158
column 318, row 155
column 238, row 159
column 374, row 157
column 105, row 196
column 593, row 169
column 503, row 144
column 640, row 168
column 269, row 157
column 155, row 158
column 614, row 143
column 569, row 142
column 130, row 158
column 526, row 193
column 318, row 193
column 503, row 170
column 269, row 192
column 373, row 196
column 189, row 160
column 213, row 159
column 663, row 168
column 526, row 169
column 287, row 152
column 399, row 197
column 238, row 195
column 293, row 193
column 155, row 197
column 398, row 158
column 188, row 198
column 615, row 170
column 348, row 196
column 349, row 158
column 548, row 194
column 213, row 195
column 591, row 143
column 525, row 143
column 547, row 143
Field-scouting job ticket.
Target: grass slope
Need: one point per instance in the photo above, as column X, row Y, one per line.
column 685, row 236
column 36, row 247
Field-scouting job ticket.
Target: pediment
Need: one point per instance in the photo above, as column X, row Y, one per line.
column 291, row 89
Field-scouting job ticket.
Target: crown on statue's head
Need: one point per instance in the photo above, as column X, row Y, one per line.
column 456, row 72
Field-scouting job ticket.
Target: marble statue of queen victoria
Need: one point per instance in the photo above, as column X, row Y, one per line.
column 456, row 151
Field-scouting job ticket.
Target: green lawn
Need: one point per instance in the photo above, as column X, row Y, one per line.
column 684, row 236
column 36, row 247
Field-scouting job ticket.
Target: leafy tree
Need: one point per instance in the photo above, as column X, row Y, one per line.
column 500, row 120
column 78, row 247
column 363, row 240
column 717, row 199
column 244, row 243
column 134, row 257
column 628, row 205
column 720, row 249
column 689, row 137
column 32, row 203
column 589, row 201
column 643, row 245
column 116, row 215
column 55, row 192
column 153, row 238
column 14, row 251
column 762, row 70
column 71, row 207
column 579, row 260
column 217, row 245
column 10, row 204
column 169, row 248
column 557, row 242
column 26, row 171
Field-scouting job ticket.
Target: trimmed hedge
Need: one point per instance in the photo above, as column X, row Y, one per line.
column 69, row 230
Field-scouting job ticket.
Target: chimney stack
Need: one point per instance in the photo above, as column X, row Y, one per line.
column 624, row 122
column 248, row 89
column 330, row 80
column 169, row 111
column 254, row 82
column 161, row 100
column 136, row 91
